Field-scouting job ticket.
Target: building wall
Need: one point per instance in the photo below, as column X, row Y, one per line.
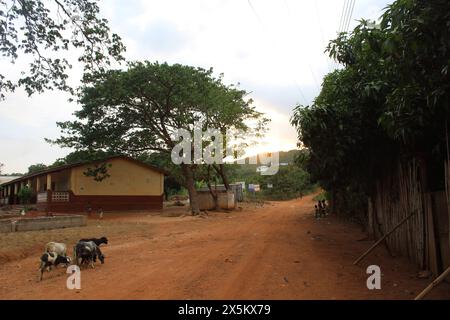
column 127, row 178
column 61, row 180
column 80, row 204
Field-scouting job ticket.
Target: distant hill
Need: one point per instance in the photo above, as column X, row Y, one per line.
column 284, row 157
column 247, row 172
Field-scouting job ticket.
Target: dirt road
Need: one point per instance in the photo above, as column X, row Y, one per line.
column 278, row 251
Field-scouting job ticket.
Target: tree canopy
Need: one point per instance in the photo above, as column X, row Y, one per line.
column 36, row 168
column 43, row 30
column 390, row 99
column 139, row 110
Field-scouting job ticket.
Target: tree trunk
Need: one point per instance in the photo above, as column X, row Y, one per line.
column 332, row 201
column 221, row 171
column 213, row 193
column 190, row 186
column 214, row 196
column 370, row 223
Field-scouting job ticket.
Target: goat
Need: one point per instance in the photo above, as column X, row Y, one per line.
column 49, row 259
column 56, row 247
column 98, row 242
column 87, row 252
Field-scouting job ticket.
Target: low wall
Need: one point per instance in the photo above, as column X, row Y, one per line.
column 226, row 200
column 43, row 223
column 5, row 226
column 235, row 187
column 77, row 204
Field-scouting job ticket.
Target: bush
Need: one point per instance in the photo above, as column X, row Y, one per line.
column 321, row 196
column 25, row 195
column 290, row 182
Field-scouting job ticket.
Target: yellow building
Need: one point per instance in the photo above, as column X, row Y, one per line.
column 128, row 185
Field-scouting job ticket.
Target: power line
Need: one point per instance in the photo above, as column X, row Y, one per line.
column 350, row 15
column 347, row 12
column 291, row 20
column 343, row 15
column 321, row 34
column 301, row 92
column 255, row 13
column 264, row 29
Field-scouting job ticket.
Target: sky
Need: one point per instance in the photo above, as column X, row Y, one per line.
column 273, row 48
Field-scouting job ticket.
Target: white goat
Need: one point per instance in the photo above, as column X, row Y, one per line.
column 56, row 247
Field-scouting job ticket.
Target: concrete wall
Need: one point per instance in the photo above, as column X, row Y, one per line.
column 127, row 178
column 43, row 223
column 235, row 187
column 5, row 226
column 226, row 200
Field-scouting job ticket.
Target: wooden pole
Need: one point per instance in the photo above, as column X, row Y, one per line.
column 433, row 284
column 382, row 238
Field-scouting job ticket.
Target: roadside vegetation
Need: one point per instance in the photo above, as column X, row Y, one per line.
column 388, row 102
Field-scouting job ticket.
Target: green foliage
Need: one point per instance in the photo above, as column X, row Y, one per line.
column 321, row 196
column 99, row 171
column 25, row 193
column 390, row 100
column 13, row 174
column 137, row 111
column 290, row 182
column 82, row 156
column 36, row 168
column 40, row 29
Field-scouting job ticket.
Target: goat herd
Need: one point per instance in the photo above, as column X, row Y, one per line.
column 86, row 251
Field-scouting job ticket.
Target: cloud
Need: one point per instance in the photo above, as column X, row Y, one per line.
column 162, row 37
column 25, row 122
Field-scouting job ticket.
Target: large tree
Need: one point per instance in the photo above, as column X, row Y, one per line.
column 36, row 168
column 45, row 31
column 140, row 110
column 82, row 156
column 237, row 121
column 390, row 99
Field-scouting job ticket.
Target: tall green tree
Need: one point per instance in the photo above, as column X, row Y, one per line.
column 36, row 168
column 390, row 100
column 139, row 110
column 230, row 113
column 45, row 31
column 82, row 156
column 25, row 194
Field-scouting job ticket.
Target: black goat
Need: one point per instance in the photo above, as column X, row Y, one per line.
column 97, row 241
column 50, row 259
column 86, row 252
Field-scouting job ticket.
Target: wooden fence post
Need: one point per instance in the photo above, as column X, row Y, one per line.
column 382, row 238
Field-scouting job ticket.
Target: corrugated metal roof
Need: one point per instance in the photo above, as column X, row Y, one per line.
column 4, row 179
column 78, row 164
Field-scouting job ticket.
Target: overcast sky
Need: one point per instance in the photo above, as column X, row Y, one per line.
column 273, row 48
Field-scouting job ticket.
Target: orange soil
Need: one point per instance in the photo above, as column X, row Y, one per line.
column 278, row 251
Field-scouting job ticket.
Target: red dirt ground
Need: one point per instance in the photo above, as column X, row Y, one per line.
column 278, row 251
